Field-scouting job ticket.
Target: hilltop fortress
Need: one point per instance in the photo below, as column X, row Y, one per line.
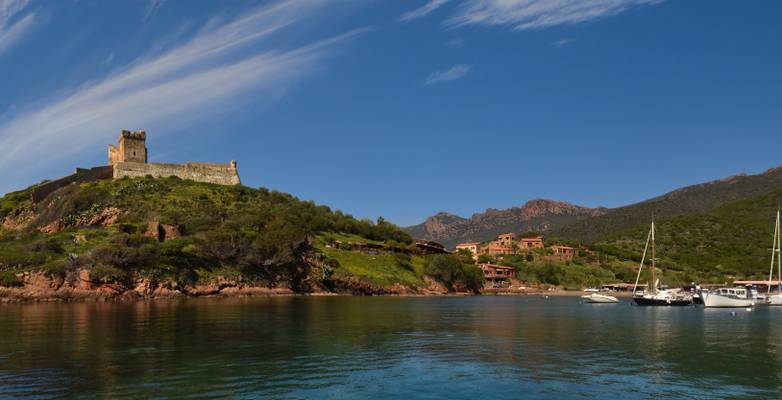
column 129, row 158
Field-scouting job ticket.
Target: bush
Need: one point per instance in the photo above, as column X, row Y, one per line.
column 57, row 268
column 450, row 270
column 9, row 279
column 107, row 273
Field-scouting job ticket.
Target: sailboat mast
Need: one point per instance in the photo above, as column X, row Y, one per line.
column 779, row 252
column 653, row 283
column 774, row 251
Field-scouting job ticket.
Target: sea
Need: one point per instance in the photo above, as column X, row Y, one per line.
column 342, row 347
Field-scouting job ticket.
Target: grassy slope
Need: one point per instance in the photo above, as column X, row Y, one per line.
column 227, row 230
column 379, row 269
column 732, row 240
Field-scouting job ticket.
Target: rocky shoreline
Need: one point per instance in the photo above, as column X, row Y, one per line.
column 39, row 287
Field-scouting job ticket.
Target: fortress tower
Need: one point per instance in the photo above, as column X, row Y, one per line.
column 131, row 148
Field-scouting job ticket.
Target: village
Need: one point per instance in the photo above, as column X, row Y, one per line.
column 489, row 256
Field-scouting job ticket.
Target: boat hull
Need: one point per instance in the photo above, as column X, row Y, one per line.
column 650, row 301
column 599, row 299
column 775, row 300
column 713, row 300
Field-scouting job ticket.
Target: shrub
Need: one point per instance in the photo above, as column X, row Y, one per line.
column 107, row 273
column 57, row 268
column 9, row 279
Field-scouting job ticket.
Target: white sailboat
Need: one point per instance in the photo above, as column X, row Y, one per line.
column 655, row 296
column 775, row 300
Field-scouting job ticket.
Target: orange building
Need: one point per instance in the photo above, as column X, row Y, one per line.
column 532, row 243
column 506, row 239
column 472, row 247
column 494, row 249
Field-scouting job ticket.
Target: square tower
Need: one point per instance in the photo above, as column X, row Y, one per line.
column 131, row 148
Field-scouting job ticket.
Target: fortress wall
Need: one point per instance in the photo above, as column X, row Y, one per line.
column 221, row 174
column 81, row 175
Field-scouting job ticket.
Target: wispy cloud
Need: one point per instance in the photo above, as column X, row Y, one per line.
column 423, row 11
column 151, row 7
column 562, row 42
column 532, row 14
column 15, row 22
column 194, row 78
column 452, row 74
column 455, row 42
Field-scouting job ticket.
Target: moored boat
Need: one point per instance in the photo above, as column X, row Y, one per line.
column 655, row 296
column 599, row 298
column 728, row 298
column 776, row 299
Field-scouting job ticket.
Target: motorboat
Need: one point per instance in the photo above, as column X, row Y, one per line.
column 656, row 296
column 599, row 298
column 728, row 298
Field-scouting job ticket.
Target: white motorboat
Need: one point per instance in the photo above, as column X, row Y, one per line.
column 775, row 300
column 727, row 298
column 599, row 298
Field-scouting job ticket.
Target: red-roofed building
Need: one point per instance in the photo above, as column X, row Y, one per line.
column 531, row 243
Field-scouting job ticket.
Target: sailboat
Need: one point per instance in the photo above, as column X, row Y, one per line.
column 776, row 300
column 655, row 296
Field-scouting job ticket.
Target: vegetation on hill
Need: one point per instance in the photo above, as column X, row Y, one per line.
column 690, row 200
column 730, row 241
column 255, row 235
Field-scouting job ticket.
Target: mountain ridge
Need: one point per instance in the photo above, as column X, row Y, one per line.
column 534, row 215
column 572, row 222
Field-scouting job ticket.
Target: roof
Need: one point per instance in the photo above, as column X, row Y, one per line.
column 756, row 282
column 532, row 239
column 494, row 266
column 468, row 244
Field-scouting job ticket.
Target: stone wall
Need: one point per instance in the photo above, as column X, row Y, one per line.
column 81, row 175
column 221, row 174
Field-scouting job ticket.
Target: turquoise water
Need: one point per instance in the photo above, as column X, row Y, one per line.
column 387, row 347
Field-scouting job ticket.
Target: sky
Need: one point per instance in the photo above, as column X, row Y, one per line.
column 401, row 109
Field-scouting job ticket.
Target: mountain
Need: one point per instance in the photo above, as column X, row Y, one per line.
column 732, row 240
column 538, row 215
column 689, row 200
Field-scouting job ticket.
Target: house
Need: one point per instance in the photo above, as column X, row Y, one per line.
column 494, row 249
column 494, row 273
column 472, row 247
column 564, row 253
column 505, row 239
column 531, row 243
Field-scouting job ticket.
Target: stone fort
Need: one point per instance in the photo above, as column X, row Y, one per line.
column 129, row 158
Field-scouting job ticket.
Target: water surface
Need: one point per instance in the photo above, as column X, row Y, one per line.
column 387, row 347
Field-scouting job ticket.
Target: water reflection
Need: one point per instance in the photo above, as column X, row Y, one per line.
column 337, row 347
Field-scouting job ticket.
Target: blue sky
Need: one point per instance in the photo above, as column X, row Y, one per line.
column 401, row 109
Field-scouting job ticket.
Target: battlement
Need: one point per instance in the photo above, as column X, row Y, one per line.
column 137, row 135
column 131, row 147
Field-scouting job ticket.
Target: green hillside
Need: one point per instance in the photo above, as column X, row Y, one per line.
column 733, row 240
column 257, row 236
column 690, row 200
